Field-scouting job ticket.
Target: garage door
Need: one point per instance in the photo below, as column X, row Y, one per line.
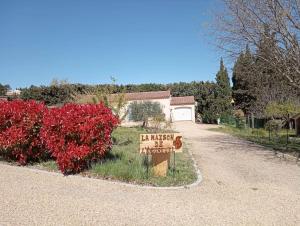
column 182, row 114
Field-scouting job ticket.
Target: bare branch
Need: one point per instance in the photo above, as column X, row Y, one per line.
column 244, row 23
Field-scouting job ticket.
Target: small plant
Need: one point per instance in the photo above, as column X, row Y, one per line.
column 78, row 134
column 274, row 126
column 282, row 110
column 239, row 119
column 20, row 124
column 158, row 122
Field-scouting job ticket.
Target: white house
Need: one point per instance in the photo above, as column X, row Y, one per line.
column 174, row 108
column 15, row 92
column 182, row 108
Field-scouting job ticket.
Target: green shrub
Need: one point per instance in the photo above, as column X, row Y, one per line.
column 227, row 119
column 208, row 117
column 259, row 132
column 274, row 126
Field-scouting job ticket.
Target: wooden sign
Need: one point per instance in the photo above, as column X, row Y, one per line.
column 159, row 143
column 160, row 146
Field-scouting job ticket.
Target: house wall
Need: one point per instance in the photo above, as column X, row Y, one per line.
column 173, row 107
column 165, row 104
column 166, row 107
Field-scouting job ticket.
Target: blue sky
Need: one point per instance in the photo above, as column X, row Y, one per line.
column 135, row 41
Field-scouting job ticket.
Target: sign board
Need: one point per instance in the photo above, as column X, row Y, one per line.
column 159, row 143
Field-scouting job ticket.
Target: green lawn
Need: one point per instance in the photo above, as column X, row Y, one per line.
column 263, row 137
column 125, row 163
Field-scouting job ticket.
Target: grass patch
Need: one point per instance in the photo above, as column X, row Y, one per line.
column 50, row 165
column 125, row 163
column 264, row 138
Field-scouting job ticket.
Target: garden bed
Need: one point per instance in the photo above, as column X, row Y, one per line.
column 125, row 163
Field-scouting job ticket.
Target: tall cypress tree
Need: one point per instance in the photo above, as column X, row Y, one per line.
column 222, row 79
column 242, row 82
column 223, row 92
column 269, row 84
column 256, row 82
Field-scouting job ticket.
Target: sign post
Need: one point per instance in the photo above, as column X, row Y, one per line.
column 160, row 146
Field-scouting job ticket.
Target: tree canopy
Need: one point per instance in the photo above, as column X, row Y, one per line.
column 4, row 89
column 242, row 23
column 256, row 83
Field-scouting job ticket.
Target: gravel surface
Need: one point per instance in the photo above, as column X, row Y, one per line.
column 243, row 184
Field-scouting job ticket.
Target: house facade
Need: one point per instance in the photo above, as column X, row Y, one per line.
column 15, row 92
column 174, row 108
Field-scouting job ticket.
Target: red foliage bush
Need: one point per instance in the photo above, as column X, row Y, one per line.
column 20, row 123
column 78, row 134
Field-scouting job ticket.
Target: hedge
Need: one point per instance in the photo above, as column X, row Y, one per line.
column 20, row 124
column 74, row 135
column 78, row 134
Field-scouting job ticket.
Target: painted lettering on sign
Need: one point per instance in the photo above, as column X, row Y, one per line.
column 157, row 137
column 160, row 143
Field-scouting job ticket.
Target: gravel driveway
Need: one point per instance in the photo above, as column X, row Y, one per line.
column 243, row 184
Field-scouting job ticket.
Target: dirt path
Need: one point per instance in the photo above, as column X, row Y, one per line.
column 243, row 184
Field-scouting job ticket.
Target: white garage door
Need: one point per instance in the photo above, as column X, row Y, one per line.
column 182, row 114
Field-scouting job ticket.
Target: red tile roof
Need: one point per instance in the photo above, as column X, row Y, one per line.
column 154, row 95
column 145, row 95
column 182, row 100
